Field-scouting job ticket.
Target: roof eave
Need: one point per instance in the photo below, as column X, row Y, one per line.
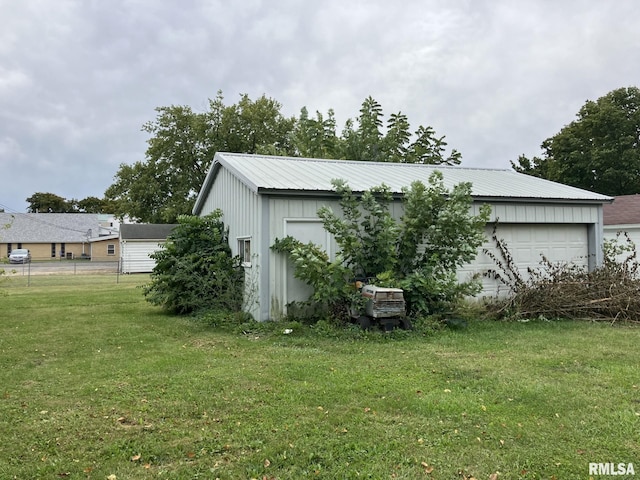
column 476, row 198
column 594, row 201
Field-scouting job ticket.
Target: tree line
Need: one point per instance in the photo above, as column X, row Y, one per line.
column 598, row 151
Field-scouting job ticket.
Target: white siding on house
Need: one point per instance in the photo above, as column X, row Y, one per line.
column 632, row 231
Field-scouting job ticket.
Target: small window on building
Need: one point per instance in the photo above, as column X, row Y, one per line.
column 111, row 249
column 8, row 249
column 244, row 251
column 62, row 250
column 53, row 250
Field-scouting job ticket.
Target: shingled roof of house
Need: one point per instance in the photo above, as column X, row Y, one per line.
column 48, row 227
column 625, row 210
column 145, row 231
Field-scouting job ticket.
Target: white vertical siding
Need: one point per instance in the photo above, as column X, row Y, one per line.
column 541, row 213
column 241, row 214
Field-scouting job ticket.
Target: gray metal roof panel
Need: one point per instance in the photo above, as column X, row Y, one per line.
column 272, row 173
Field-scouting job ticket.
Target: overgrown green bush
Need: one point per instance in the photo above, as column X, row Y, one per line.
column 419, row 253
column 195, row 269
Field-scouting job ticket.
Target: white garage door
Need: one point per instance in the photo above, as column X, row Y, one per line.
column 527, row 243
column 135, row 256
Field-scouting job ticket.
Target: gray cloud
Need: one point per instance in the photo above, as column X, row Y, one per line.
column 79, row 78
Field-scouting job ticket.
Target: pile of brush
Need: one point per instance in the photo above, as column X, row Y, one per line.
column 610, row 292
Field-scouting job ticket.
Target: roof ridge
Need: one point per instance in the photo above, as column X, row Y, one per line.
column 360, row 162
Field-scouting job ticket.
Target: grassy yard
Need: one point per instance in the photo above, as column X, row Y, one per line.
column 96, row 383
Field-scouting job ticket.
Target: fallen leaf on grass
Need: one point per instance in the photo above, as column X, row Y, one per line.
column 427, row 468
column 267, row 463
column 135, row 458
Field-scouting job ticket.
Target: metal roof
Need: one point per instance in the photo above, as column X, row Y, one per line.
column 48, row 227
column 273, row 174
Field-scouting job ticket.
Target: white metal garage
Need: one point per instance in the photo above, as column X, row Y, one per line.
column 137, row 242
column 265, row 197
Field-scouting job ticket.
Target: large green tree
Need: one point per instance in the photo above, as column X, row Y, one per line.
column 182, row 144
column 180, row 150
column 367, row 139
column 598, row 151
column 45, row 202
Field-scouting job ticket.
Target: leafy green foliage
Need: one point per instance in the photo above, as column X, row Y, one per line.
column 181, row 148
column 183, row 142
column 195, row 269
column 364, row 227
column 419, row 253
column 44, row 202
column 599, row 150
column 315, row 137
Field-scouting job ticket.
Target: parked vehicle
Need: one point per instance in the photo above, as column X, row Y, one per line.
column 20, row 255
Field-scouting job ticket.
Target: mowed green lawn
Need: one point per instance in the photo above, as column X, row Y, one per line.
column 96, row 383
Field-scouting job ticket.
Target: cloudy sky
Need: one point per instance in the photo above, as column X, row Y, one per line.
column 78, row 78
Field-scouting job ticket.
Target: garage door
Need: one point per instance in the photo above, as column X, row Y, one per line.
column 527, row 243
column 135, row 256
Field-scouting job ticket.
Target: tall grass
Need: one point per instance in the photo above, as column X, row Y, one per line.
column 96, row 383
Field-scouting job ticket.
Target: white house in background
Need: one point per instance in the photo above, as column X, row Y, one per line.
column 137, row 242
column 267, row 197
column 623, row 215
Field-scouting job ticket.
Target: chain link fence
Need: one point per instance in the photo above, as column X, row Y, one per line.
column 34, row 271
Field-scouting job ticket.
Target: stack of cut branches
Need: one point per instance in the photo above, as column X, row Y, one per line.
column 610, row 292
